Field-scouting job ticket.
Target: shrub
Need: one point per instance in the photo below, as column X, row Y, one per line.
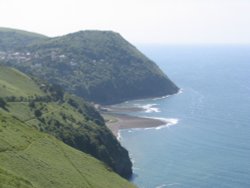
column 2, row 103
column 38, row 113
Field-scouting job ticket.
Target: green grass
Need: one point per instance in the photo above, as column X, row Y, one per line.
column 23, row 112
column 30, row 158
column 15, row 83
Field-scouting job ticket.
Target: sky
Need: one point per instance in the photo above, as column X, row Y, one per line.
column 139, row 21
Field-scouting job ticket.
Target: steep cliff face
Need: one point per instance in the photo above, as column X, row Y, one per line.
column 99, row 66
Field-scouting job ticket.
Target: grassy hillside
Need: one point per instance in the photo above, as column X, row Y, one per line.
column 15, row 83
column 64, row 116
column 29, row 158
column 99, row 66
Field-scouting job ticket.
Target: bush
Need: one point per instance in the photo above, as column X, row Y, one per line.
column 32, row 104
column 38, row 113
column 2, row 103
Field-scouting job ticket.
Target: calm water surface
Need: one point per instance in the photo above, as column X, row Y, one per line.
column 208, row 144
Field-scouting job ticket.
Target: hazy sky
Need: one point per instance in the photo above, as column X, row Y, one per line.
column 139, row 21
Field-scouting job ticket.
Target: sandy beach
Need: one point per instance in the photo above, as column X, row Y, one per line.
column 116, row 122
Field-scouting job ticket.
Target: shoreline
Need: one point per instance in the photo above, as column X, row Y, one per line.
column 116, row 118
column 116, row 122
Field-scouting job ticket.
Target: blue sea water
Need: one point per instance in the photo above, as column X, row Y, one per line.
column 208, row 144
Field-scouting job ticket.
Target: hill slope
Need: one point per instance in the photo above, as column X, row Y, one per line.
column 15, row 83
column 30, row 159
column 68, row 118
column 13, row 39
column 99, row 66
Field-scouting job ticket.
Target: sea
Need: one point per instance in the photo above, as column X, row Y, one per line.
column 206, row 142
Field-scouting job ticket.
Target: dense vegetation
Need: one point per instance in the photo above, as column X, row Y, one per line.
column 99, row 66
column 47, row 108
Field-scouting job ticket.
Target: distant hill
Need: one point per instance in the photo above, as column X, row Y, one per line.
column 46, row 108
column 13, row 39
column 99, row 66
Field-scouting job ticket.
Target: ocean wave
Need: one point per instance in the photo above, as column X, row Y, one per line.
column 180, row 91
column 136, row 168
column 168, row 122
column 149, row 108
column 159, row 98
column 168, row 185
column 132, row 160
column 119, row 136
column 161, row 186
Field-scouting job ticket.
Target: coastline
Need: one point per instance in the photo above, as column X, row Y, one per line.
column 116, row 118
column 116, row 122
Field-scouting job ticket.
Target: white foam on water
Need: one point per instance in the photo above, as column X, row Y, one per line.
column 132, row 160
column 159, row 98
column 180, row 91
column 119, row 136
column 149, row 108
column 168, row 185
column 168, row 122
column 135, row 168
column 161, row 186
column 166, row 96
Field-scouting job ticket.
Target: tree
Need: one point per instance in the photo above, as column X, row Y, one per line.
column 38, row 113
column 2, row 103
column 32, row 104
column 56, row 92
